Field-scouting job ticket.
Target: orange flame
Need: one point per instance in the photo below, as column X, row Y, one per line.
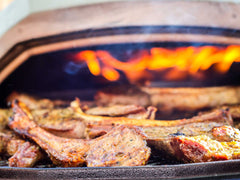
column 182, row 61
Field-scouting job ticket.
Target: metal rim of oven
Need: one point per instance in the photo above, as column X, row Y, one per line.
column 126, row 34
column 200, row 34
column 217, row 169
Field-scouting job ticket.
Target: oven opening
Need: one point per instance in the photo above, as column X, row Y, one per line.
column 134, row 74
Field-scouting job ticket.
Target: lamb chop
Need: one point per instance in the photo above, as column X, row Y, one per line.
column 36, row 103
column 122, row 146
column 4, row 115
column 161, row 128
column 157, row 131
column 23, row 153
column 234, row 110
column 27, row 155
column 170, row 99
column 199, row 136
column 61, row 121
column 125, row 95
column 222, row 143
column 65, row 122
column 218, row 115
column 129, row 111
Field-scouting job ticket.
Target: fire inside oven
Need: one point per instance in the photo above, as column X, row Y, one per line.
column 83, row 72
column 88, row 69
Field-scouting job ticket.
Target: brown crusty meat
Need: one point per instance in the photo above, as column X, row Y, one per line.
column 170, row 99
column 33, row 102
column 22, row 153
column 129, row 147
column 129, row 111
column 61, row 121
column 221, row 144
column 27, row 155
column 4, row 115
column 125, row 95
column 62, row 151
column 234, row 110
column 115, row 110
column 222, row 115
column 120, row 147
column 157, row 134
column 65, row 122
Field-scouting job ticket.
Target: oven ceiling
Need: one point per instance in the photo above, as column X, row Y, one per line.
column 111, row 14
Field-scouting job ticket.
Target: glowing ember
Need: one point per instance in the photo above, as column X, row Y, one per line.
column 181, row 62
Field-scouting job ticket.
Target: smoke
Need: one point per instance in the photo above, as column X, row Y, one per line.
column 73, row 68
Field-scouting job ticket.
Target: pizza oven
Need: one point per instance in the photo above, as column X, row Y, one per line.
column 74, row 52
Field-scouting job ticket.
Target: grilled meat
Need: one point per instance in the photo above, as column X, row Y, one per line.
column 234, row 110
column 205, row 148
column 4, row 139
column 169, row 99
column 9, row 143
column 65, row 122
column 125, row 95
column 24, row 153
column 62, row 151
column 102, row 120
column 115, row 110
column 61, row 122
column 130, row 111
column 193, row 98
column 226, row 133
column 158, row 131
column 4, row 115
column 150, row 113
column 129, row 147
column 120, row 147
column 36, row 103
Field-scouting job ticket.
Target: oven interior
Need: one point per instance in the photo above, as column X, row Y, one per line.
column 59, row 74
